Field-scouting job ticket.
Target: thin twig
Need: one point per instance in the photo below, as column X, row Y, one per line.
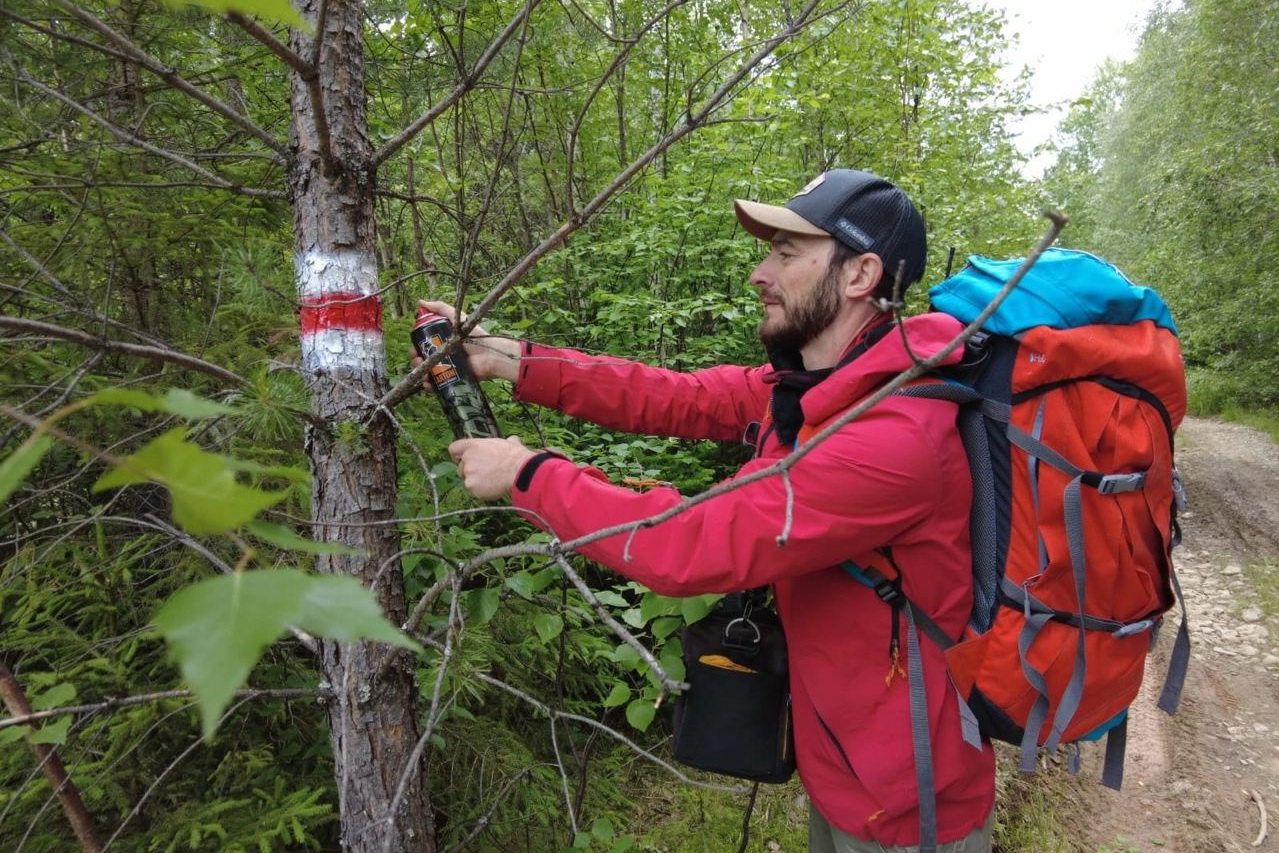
column 27, row 719
column 304, row 69
column 586, row 214
column 790, row 460
column 171, row 77
column 624, row 635
column 466, row 83
column 137, row 142
column 613, row 733
column 102, row 344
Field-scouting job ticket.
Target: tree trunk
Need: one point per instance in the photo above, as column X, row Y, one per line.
column 373, row 721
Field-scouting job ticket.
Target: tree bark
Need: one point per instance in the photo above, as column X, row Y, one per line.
column 373, row 720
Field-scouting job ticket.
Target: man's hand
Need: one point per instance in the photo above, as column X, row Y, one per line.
column 488, row 466
column 490, row 357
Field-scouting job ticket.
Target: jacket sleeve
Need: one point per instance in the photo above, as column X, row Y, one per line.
column 717, row 403
column 859, row 489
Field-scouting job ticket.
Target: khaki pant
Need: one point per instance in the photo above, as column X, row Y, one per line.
column 824, row 838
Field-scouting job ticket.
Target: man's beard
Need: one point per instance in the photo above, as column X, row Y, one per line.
column 803, row 320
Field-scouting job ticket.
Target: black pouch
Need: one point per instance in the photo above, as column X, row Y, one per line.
column 735, row 717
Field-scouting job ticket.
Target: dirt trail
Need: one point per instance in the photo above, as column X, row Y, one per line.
column 1190, row 779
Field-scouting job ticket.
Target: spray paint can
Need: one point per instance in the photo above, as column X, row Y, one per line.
column 454, row 382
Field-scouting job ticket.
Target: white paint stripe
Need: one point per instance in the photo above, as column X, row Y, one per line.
column 354, row 351
column 346, row 271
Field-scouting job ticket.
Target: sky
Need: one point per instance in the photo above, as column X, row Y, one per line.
column 1064, row 43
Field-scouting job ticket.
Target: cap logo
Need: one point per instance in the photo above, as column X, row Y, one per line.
column 811, row 185
column 850, row 230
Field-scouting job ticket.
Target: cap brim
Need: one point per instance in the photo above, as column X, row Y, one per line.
column 765, row 220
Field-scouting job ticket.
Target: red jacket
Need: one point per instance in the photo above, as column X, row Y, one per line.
column 895, row 477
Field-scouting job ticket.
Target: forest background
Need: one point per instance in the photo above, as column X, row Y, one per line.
column 214, row 225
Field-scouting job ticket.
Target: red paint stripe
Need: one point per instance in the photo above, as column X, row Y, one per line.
column 350, row 311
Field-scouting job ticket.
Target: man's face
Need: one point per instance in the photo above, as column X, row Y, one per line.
column 801, row 296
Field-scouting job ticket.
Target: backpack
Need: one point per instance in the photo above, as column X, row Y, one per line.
column 1069, row 397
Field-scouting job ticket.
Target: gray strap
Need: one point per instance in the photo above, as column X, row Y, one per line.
column 1032, row 467
column 925, row 781
column 969, row 728
column 1170, row 698
column 1078, row 563
column 1039, row 711
column 1112, row 774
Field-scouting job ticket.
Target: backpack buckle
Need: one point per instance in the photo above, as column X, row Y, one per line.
column 1112, row 484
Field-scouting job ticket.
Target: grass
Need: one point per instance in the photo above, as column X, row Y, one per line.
column 669, row 817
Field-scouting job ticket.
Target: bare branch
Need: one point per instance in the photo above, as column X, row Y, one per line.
column 306, row 70
column 125, row 136
column 464, row 85
column 783, row 465
column 169, row 76
column 107, row 705
column 626, row 636
column 618, row 61
column 554, row 714
column 54, row 771
column 715, row 101
column 148, row 352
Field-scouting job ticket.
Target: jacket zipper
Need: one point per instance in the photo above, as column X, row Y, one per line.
column 836, row 742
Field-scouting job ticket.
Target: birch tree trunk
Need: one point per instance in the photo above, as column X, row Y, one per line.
column 373, row 722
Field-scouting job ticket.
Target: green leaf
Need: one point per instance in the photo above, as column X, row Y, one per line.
column 481, row 604
column 698, row 606
column 207, row 499
column 625, row 655
column 217, row 629
column 177, row 401
column 52, row 732
column 279, row 11
column 521, row 583
column 667, row 625
column 184, row 404
column 612, row 599
column 18, row 464
column 640, row 714
column 602, row 829
column 126, row 397
column 618, row 696
column 13, row 734
column 286, row 538
column 653, row 605
column 341, row 608
column 61, row 694
column 548, row 626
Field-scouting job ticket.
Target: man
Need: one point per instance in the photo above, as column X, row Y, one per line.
column 893, row 481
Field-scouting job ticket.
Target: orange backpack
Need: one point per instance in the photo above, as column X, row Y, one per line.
column 1069, row 396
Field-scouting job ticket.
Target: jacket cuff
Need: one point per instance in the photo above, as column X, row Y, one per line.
column 525, row 478
column 539, row 379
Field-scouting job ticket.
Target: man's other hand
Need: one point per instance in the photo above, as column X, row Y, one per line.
column 488, row 466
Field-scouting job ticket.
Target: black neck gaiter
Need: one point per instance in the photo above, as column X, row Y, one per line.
column 793, row 381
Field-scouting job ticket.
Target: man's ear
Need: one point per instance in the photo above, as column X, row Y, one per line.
column 861, row 275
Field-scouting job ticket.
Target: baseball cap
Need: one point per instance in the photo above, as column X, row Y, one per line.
column 860, row 210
